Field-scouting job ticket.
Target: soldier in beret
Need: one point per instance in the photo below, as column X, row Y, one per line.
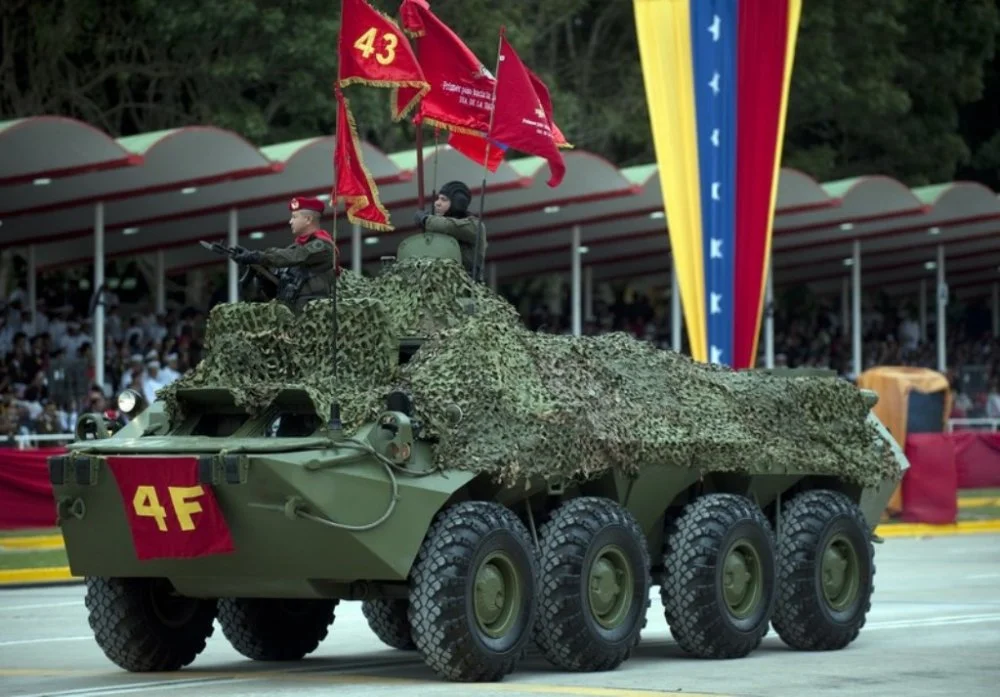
column 305, row 267
column 451, row 217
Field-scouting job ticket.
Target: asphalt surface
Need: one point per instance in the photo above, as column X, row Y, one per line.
column 934, row 629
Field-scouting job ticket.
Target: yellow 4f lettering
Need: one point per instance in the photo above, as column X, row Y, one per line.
column 183, row 501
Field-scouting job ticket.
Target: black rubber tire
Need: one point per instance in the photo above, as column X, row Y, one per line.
column 692, row 591
column 802, row 618
column 129, row 629
column 389, row 619
column 266, row 629
column 442, row 596
column 567, row 633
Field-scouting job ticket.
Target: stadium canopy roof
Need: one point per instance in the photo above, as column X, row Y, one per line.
column 168, row 189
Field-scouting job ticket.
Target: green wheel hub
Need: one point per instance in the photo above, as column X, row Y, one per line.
column 840, row 573
column 742, row 579
column 609, row 587
column 497, row 595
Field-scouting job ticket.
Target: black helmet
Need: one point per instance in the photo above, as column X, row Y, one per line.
column 459, row 195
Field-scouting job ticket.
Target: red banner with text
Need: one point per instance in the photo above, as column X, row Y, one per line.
column 170, row 514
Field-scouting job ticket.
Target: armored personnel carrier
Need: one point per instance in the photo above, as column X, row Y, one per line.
column 477, row 486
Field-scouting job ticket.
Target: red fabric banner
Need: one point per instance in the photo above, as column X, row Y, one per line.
column 474, row 148
column 761, row 75
column 172, row 515
column 461, row 88
column 519, row 120
column 977, row 459
column 26, row 499
column 930, row 485
column 374, row 51
column 354, row 184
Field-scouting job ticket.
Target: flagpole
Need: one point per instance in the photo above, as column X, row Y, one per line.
column 476, row 268
column 419, row 122
column 334, row 423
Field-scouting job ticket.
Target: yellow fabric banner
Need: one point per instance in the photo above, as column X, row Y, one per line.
column 663, row 30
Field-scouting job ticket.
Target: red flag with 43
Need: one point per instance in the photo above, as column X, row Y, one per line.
column 373, row 51
column 171, row 515
column 354, row 184
column 519, row 118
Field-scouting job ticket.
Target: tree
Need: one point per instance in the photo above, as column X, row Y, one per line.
column 900, row 87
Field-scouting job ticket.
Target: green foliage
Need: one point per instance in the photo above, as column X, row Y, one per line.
column 901, row 87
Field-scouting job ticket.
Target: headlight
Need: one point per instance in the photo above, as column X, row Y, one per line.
column 127, row 401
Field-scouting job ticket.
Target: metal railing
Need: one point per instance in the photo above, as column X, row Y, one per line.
column 33, row 440
column 989, row 424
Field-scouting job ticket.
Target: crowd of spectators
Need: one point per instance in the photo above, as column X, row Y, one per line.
column 47, row 377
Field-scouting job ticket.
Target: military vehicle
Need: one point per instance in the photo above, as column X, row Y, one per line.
column 479, row 487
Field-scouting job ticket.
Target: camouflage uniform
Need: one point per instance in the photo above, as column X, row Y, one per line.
column 465, row 231
column 305, row 269
column 457, row 223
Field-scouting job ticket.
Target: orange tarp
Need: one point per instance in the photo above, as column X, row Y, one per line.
column 893, row 384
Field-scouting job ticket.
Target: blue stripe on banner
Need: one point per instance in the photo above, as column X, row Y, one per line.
column 714, row 47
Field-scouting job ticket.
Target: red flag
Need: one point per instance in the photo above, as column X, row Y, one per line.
column 374, row 51
column 354, row 184
column 519, row 119
column 474, row 148
column 543, row 95
column 461, row 88
column 170, row 513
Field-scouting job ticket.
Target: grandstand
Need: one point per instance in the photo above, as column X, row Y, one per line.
column 862, row 268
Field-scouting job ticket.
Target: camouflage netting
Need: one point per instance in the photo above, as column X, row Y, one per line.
column 532, row 403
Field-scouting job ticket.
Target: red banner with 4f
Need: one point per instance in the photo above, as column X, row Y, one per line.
column 171, row 515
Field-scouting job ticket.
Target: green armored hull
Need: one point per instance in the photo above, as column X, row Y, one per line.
column 454, row 471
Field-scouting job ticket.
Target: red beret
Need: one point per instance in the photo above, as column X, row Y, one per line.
column 303, row 202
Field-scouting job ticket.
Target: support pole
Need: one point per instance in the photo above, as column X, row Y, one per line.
column 768, row 321
column 856, row 308
column 232, row 241
column 32, row 290
column 923, row 310
column 577, row 301
column 588, row 293
column 161, row 283
column 493, row 276
column 356, row 243
column 942, row 311
column 996, row 309
column 845, row 305
column 99, row 317
column 675, row 309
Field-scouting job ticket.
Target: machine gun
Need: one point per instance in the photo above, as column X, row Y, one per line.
column 230, row 252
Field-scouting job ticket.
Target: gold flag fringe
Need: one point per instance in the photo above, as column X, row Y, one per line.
column 357, row 203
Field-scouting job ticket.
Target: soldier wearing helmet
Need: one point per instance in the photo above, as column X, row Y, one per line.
column 305, row 267
column 451, row 217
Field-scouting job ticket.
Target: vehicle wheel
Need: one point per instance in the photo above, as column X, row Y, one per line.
column 143, row 625
column 387, row 617
column 719, row 587
column 267, row 629
column 826, row 572
column 593, row 589
column 472, row 599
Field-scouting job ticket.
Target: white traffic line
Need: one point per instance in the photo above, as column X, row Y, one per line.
column 40, row 606
column 931, row 622
column 50, row 640
column 871, row 626
column 126, row 688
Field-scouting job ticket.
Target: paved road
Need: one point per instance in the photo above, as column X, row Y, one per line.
column 934, row 630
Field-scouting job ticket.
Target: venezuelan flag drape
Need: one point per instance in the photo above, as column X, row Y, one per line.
column 716, row 74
